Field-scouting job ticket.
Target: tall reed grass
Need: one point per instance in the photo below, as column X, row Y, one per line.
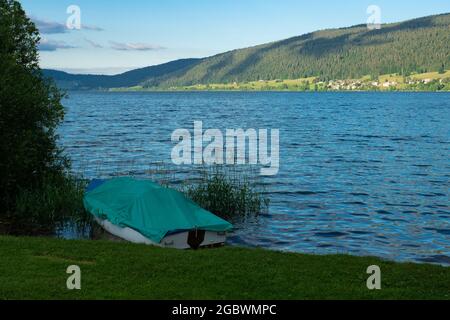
column 45, row 210
column 229, row 192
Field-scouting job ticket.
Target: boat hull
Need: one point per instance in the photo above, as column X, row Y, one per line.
column 177, row 240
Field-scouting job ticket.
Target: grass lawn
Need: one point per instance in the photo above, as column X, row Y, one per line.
column 35, row 268
column 431, row 75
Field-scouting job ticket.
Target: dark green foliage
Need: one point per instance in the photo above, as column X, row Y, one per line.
column 433, row 86
column 30, row 111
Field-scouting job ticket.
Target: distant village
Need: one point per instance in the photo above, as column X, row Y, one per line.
column 433, row 81
column 354, row 85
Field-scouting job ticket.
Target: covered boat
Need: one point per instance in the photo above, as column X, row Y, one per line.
column 142, row 211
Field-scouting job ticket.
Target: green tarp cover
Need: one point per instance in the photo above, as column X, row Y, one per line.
column 150, row 209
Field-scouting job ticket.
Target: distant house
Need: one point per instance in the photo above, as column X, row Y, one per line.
column 388, row 84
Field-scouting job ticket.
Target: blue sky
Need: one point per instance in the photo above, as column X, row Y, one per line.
column 119, row 35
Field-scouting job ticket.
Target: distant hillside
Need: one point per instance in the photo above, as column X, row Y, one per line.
column 127, row 79
column 418, row 45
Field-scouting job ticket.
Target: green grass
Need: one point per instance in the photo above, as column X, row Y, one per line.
column 34, row 268
column 431, row 75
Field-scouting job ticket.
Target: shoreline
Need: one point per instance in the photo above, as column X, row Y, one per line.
column 275, row 91
column 251, row 91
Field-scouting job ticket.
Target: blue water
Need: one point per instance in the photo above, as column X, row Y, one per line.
column 361, row 173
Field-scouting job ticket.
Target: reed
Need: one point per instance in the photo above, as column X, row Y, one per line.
column 45, row 210
column 228, row 192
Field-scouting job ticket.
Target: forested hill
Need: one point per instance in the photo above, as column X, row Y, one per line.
column 417, row 45
column 127, row 79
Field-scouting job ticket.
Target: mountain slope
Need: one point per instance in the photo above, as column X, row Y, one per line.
column 127, row 79
column 417, row 45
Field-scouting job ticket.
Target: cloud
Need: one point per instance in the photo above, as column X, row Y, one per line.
column 52, row 45
column 93, row 43
column 91, row 28
column 49, row 27
column 134, row 46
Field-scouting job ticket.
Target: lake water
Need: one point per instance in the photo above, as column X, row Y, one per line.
column 361, row 173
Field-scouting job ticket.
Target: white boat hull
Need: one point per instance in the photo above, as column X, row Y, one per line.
column 176, row 241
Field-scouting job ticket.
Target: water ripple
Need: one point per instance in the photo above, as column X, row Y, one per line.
column 364, row 174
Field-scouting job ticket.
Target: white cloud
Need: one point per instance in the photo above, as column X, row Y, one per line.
column 91, row 28
column 50, row 27
column 134, row 46
column 52, row 45
column 47, row 27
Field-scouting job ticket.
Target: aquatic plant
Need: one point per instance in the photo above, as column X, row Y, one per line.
column 228, row 192
column 45, row 210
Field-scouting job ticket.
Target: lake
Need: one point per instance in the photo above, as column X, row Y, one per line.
column 360, row 173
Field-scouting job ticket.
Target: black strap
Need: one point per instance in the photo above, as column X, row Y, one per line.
column 196, row 238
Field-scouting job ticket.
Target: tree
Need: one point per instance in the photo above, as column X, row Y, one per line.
column 30, row 111
column 442, row 69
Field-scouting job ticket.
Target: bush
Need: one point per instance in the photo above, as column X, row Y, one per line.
column 47, row 209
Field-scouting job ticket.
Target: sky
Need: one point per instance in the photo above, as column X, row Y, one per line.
column 117, row 35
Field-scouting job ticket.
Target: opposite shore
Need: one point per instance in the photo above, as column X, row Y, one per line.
column 419, row 82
